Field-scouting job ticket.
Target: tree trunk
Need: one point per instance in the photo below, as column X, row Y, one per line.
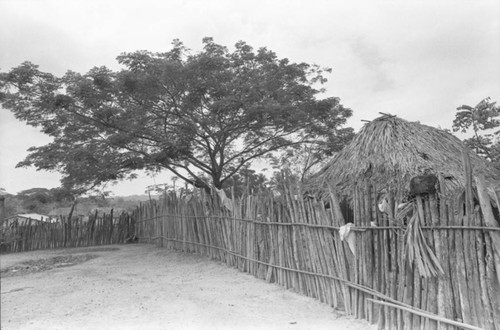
column 2, row 209
column 216, row 178
column 198, row 183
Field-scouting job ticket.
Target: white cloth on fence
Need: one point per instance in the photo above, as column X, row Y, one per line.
column 383, row 205
column 226, row 201
column 350, row 239
column 344, row 231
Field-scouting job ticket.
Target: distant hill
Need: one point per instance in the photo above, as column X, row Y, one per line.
column 139, row 198
column 15, row 204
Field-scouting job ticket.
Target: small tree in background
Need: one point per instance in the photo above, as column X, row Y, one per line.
column 246, row 181
column 300, row 161
column 483, row 121
column 3, row 196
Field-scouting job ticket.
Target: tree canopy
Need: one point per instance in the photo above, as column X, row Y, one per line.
column 211, row 112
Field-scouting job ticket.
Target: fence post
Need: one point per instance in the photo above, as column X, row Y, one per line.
column 489, row 219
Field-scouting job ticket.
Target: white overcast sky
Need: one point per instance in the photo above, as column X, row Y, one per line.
column 416, row 59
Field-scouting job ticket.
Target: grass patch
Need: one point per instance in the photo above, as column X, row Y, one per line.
column 40, row 265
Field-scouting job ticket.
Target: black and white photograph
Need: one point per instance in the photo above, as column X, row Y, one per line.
column 265, row 164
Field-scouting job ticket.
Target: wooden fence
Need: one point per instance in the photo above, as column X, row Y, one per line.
column 67, row 232
column 296, row 243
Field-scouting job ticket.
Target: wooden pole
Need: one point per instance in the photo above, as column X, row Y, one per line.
column 444, row 256
column 463, row 242
column 489, row 219
column 343, row 265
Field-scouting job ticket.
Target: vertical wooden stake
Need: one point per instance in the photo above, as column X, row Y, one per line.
column 489, row 219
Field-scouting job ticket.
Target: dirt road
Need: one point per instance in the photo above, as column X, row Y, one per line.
column 143, row 287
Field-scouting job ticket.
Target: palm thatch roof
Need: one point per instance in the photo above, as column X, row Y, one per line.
column 389, row 151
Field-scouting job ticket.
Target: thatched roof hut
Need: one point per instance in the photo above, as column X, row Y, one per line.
column 423, row 240
column 390, row 151
column 377, row 172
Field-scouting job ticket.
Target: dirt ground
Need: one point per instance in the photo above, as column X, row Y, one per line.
column 142, row 287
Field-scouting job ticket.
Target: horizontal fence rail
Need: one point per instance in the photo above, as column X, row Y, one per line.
column 332, row 227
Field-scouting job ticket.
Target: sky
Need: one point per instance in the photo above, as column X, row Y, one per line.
column 418, row 60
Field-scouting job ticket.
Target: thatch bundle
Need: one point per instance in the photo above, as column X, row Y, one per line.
column 390, row 151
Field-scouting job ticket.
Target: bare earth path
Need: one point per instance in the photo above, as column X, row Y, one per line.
column 142, row 287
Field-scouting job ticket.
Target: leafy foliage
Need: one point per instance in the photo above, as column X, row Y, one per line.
column 37, row 200
column 34, row 200
column 301, row 161
column 245, row 181
column 45, row 201
column 483, row 121
column 212, row 112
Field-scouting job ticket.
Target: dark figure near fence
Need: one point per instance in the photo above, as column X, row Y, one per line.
column 131, row 239
column 423, row 184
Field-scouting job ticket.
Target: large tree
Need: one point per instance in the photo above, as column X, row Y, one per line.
column 212, row 111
